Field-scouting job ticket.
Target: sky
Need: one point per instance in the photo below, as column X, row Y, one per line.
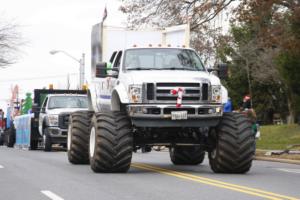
column 52, row 25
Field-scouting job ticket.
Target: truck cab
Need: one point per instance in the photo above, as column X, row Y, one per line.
column 156, row 84
column 54, row 115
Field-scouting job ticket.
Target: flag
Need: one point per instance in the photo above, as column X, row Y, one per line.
column 104, row 14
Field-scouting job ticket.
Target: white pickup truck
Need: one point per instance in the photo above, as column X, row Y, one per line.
column 158, row 95
column 54, row 116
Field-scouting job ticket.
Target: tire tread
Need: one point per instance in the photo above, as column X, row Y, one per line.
column 235, row 146
column 114, row 143
column 80, row 122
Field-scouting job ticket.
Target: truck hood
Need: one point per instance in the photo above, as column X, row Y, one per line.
column 64, row 110
column 139, row 77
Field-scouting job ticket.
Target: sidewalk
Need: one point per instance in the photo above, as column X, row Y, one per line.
column 284, row 158
column 271, row 159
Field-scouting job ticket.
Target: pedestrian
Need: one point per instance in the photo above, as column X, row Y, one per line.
column 251, row 114
column 228, row 106
column 247, row 102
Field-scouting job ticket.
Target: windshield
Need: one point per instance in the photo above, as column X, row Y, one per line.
column 162, row 59
column 68, row 102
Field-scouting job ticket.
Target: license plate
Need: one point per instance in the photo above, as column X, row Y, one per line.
column 179, row 115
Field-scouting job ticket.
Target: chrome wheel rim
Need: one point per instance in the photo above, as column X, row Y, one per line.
column 92, row 142
column 69, row 138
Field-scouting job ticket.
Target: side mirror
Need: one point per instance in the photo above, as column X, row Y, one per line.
column 101, row 70
column 222, row 71
column 113, row 73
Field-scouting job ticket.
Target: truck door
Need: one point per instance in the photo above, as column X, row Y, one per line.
column 42, row 115
column 116, row 65
column 104, row 91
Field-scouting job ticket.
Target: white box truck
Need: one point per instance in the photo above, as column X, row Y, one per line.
column 150, row 89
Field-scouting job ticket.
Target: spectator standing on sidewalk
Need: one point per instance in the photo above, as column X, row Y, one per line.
column 251, row 114
column 228, row 106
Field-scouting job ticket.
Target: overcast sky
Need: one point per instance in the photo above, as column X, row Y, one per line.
column 52, row 25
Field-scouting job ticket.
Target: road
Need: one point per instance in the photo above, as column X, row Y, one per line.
column 37, row 175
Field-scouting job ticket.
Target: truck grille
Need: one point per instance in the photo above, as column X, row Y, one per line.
column 161, row 92
column 63, row 121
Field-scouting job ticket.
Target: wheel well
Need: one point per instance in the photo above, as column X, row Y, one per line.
column 90, row 103
column 44, row 126
column 115, row 101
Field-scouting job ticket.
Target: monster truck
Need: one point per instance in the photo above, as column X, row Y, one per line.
column 157, row 96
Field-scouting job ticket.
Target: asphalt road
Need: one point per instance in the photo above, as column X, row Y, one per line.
column 37, row 175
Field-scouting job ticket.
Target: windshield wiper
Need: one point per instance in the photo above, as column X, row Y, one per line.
column 180, row 68
column 141, row 68
column 54, row 108
column 164, row 68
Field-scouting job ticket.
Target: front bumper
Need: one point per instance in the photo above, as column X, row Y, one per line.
column 58, row 135
column 149, row 115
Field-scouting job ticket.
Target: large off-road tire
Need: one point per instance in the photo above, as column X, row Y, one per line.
column 79, row 137
column 186, row 155
column 111, row 142
column 234, row 145
column 47, row 140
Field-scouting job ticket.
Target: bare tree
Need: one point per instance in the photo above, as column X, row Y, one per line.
column 10, row 40
column 165, row 12
column 162, row 13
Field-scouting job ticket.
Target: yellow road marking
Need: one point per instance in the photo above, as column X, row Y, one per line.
column 223, row 183
column 208, row 181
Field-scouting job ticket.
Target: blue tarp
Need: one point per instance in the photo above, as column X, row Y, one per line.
column 23, row 130
column 8, row 117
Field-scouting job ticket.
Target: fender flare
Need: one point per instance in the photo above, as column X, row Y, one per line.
column 119, row 96
column 45, row 123
column 91, row 106
column 224, row 93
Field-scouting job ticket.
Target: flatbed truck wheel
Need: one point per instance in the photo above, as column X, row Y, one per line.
column 34, row 144
column 47, row 140
column 11, row 137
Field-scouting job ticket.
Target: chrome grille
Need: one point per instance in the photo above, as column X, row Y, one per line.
column 63, row 121
column 161, row 92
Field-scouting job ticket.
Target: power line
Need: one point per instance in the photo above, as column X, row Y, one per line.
column 37, row 78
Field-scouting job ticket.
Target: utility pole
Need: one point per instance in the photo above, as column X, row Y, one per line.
column 80, row 61
column 81, row 71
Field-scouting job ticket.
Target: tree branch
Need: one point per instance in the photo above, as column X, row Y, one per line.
column 213, row 15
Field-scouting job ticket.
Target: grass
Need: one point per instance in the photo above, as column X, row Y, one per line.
column 278, row 137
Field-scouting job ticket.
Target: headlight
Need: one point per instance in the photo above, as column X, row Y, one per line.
column 135, row 93
column 53, row 120
column 216, row 93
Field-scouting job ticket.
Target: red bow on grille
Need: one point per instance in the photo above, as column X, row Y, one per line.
column 179, row 93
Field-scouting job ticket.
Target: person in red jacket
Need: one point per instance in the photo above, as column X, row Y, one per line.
column 251, row 114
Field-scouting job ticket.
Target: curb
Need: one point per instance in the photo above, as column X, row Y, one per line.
column 297, row 162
